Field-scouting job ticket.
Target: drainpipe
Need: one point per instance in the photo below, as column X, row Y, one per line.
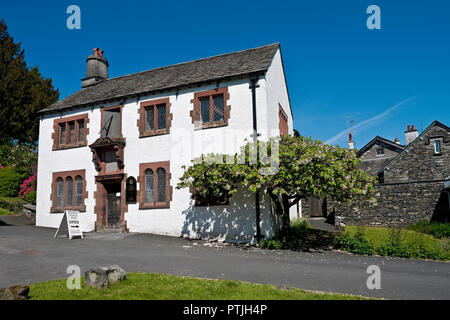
column 253, row 85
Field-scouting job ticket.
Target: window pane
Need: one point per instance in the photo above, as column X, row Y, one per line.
column 161, row 184
column 149, row 186
column 78, row 191
column 69, row 195
column 218, row 108
column 437, row 146
column 162, row 116
column 149, row 119
column 80, row 136
column 204, row 109
column 59, row 192
column 62, row 133
column 71, row 132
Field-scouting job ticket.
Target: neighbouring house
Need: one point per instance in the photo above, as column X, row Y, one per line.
column 374, row 156
column 413, row 180
column 115, row 149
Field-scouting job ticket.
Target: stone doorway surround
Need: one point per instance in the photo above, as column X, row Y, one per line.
column 101, row 197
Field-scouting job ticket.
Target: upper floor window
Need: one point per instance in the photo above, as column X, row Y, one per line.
column 437, row 146
column 70, row 132
column 111, row 124
column 154, row 117
column 210, row 108
column 68, row 191
column 154, row 183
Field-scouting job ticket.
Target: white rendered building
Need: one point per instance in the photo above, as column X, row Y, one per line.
column 136, row 131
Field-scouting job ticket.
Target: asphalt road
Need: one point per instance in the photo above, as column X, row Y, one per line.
column 29, row 254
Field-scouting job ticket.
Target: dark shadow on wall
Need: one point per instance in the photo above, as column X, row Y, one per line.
column 442, row 210
column 231, row 223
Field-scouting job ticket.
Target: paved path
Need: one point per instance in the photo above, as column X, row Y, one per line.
column 29, row 254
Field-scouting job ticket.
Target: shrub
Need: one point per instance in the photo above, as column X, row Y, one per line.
column 436, row 229
column 397, row 247
column 10, row 180
column 30, row 197
column 356, row 244
column 292, row 239
column 12, row 204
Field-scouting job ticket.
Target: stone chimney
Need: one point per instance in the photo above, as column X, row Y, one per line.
column 97, row 69
column 411, row 134
column 351, row 144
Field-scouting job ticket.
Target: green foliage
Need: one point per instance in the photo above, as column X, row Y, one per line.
column 291, row 239
column 30, row 197
column 12, row 204
column 436, row 229
column 10, row 180
column 298, row 168
column 4, row 212
column 397, row 246
column 356, row 243
column 396, row 242
column 19, row 155
column 23, row 92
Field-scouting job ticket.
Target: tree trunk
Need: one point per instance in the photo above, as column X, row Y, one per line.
column 285, row 213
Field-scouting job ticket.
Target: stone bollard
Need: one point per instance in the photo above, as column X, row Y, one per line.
column 100, row 278
column 15, row 293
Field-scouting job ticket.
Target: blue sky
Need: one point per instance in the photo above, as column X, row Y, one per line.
column 335, row 66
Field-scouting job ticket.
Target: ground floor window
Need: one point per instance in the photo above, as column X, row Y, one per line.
column 68, row 191
column 154, row 185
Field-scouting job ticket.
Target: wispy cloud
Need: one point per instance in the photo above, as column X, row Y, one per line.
column 366, row 123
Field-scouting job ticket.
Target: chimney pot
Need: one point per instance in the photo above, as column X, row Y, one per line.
column 411, row 134
column 97, row 69
column 351, row 144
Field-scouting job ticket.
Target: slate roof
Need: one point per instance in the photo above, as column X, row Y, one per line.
column 394, row 146
column 226, row 66
column 420, row 137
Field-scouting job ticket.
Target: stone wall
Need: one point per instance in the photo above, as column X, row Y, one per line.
column 397, row 204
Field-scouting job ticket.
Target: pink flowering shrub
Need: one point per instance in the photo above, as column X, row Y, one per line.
column 28, row 189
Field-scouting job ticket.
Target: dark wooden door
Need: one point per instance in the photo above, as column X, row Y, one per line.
column 113, row 210
column 315, row 207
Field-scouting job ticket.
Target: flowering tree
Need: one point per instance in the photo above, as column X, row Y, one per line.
column 299, row 168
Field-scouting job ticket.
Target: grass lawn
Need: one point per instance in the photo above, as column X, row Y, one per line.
column 377, row 235
column 4, row 212
column 150, row 286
